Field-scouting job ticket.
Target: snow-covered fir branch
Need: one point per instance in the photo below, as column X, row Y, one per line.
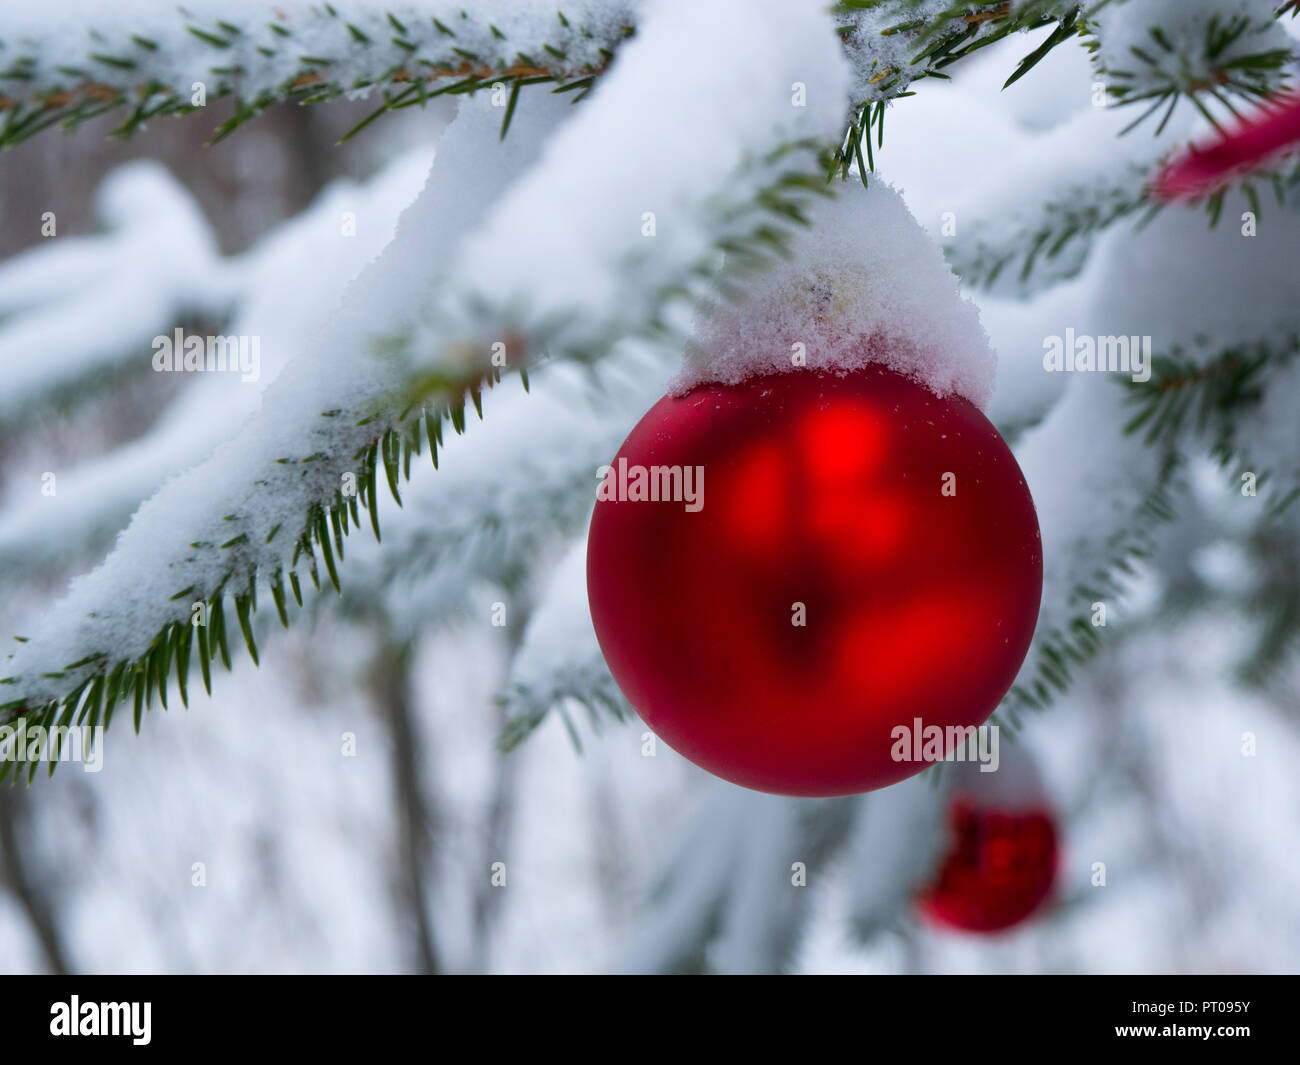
column 894, row 43
column 75, row 298
column 59, row 285
column 711, row 913
column 63, row 67
column 1015, row 244
column 504, row 496
column 269, row 500
column 255, row 509
column 1155, row 53
column 1158, row 287
column 559, row 666
column 74, row 62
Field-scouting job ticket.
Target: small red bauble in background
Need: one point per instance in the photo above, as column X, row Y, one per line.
column 866, row 554
column 1001, row 860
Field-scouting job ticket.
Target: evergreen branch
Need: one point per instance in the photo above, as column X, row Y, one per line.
column 87, row 692
column 338, row 412
column 1233, row 404
column 100, row 492
column 1274, row 601
column 177, row 63
column 931, row 35
column 1062, row 646
column 710, row 915
column 71, row 296
column 1047, row 241
column 1189, row 401
column 747, row 194
column 894, row 43
column 1017, row 244
column 309, row 54
column 1208, row 58
column 513, row 499
column 590, row 689
column 1189, row 394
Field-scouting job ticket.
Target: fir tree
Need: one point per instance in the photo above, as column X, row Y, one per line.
column 612, row 168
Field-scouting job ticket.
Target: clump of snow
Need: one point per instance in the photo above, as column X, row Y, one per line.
column 865, row 286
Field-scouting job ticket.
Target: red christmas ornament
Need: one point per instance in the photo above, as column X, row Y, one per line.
column 863, row 554
column 1202, row 170
column 1000, row 865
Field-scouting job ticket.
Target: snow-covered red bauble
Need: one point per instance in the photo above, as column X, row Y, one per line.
column 1000, row 861
column 786, row 571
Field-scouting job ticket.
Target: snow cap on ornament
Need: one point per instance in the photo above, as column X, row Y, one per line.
column 866, row 553
column 865, row 285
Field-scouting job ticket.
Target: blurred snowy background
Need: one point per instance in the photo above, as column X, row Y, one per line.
column 315, row 861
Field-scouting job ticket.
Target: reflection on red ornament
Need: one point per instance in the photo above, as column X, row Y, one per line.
column 1202, row 170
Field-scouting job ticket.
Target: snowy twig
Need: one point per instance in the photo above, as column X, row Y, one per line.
column 95, row 499
column 1205, row 51
column 66, row 65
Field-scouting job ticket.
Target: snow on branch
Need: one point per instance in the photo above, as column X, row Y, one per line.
column 893, row 849
column 1158, row 52
column 1017, row 242
column 504, row 494
column 621, row 219
column 148, row 287
column 891, row 44
column 722, row 161
column 1104, row 464
column 78, row 59
column 97, row 301
column 288, row 485
column 559, row 664
column 68, row 65
column 1098, row 515
column 732, row 910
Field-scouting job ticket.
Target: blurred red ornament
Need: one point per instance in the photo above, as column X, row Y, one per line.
column 866, row 554
column 1001, row 859
column 1256, row 141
